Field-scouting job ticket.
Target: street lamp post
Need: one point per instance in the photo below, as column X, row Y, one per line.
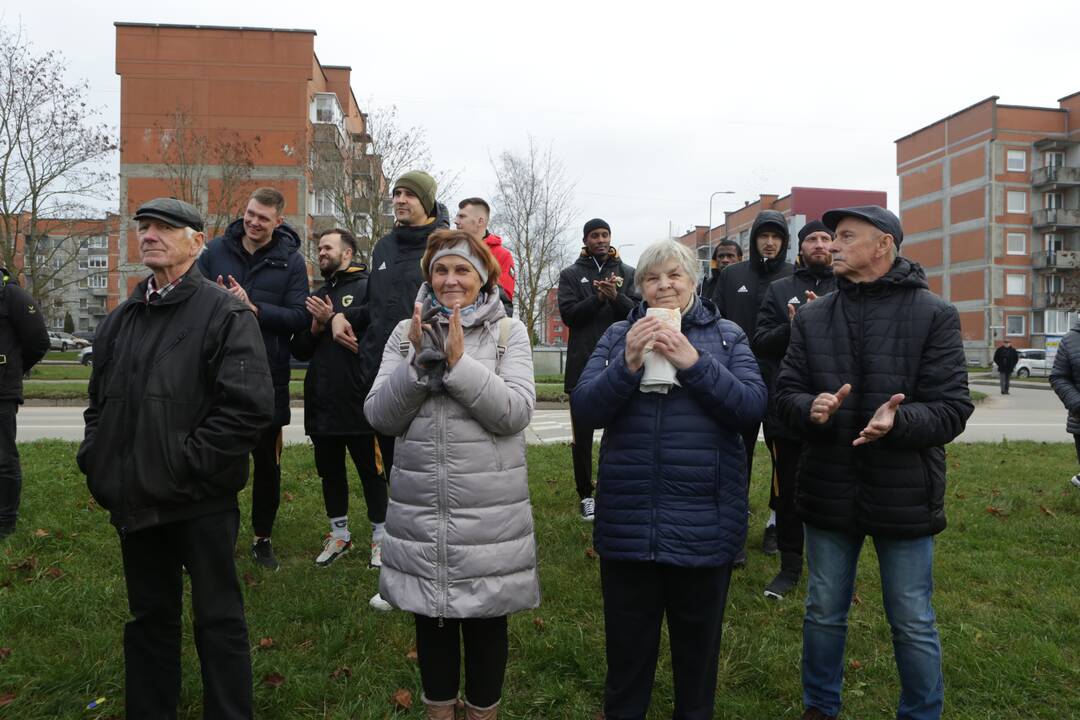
column 708, row 274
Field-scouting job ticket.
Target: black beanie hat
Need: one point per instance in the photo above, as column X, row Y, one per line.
column 812, row 227
column 594, row 224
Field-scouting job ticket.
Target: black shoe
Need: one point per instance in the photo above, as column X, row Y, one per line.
column 740, row 560
column 262, row 552
column 788, row 577
column 768, row 541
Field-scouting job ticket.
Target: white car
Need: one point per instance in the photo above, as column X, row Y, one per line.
column 1033, row 363
column 86, row 355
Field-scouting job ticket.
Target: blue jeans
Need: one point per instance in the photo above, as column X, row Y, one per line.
column 907, row 584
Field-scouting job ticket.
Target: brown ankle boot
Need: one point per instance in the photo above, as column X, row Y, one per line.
column 443, row 710
column 474, row 713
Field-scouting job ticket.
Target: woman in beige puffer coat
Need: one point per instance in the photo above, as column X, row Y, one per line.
column 459, row 551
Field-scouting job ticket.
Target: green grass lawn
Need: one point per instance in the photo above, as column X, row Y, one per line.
column 1006, row 577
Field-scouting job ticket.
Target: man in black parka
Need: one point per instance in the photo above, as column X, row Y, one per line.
column 874, row 381
column 595, row 292
column 813, row 278
column 1006, row 358
column 334, row 395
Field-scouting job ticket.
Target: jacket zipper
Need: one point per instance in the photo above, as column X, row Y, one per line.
column 442, row 574
column 655, row 477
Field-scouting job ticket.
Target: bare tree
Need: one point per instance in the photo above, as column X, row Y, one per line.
column 211, row 169
column 533, row 208
column 52, row 152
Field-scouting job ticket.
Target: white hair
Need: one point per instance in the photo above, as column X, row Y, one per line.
column 663, row 252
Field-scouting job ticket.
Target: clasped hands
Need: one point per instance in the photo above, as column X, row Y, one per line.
column 455, row 337
column 670, row 343
column 825, row 406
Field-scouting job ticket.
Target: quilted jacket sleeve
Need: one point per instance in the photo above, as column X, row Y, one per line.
column 773, row 330
column 398, row 392
column 502, row 403
column 606, row 383
column 733, row 393
column 794, row 394
column 1062, row 378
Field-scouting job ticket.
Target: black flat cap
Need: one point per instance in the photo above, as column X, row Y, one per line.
column 876, row 215
column 171, row 211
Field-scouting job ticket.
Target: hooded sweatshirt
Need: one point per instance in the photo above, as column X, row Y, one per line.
column 741, row 287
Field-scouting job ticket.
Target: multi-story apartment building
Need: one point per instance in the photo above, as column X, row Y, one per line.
column 990, row 203
column 799, row 206
column 210, row 113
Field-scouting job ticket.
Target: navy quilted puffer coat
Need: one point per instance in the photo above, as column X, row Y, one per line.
column 672, row 487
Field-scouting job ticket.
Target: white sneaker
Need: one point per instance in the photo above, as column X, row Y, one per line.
column 588, row 509
column 377, row 603
column 1075, row 480
column 376, row 554
column 332, row 549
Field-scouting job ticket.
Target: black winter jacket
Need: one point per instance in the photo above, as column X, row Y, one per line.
column 1065, row 376
column 1006, row 358
column 276, row 282
column 741, row 287
column 179, row 392
column 585, row 313
column 891, row 335
column 773, row 333
column 334, row 385
column 24, row 340
column 394, row 280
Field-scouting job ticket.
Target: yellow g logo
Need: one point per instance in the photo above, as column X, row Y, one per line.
column 346, row 301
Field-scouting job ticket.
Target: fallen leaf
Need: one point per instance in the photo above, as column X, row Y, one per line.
column 855, row 664
column 41, row 533
column 54, row 572
column 340, row 673
column 855, row 599
column 29, row 564
column 538, row 623
column 288, row 496
column 960, row 496
column 305, row 644
column 411, row 655
column 5, row 653
column 590, row 553
column 273, row 680
column 266, row 643
column 402, row 699
column 59, row 535
column 1047, row 511
column 249, row 579
column 996, row 512
column 7, row 699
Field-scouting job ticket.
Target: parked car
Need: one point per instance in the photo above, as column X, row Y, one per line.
column 1033, row 363
column 87, row 335
column 73, row 340
column 57, row 343
column 86, row 355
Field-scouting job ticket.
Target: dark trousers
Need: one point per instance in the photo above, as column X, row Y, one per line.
column 1076, row 442
column 386, row 449
column 438, row 651
column 789, row 528
column 10, row 470
column 266, row 481
column 153, row 568
column 749, row 438
column 330, row 464
column 637, row 596
column 1003, row 379
column 581, row 452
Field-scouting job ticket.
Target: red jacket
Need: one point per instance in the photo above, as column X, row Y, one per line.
column 506, row 262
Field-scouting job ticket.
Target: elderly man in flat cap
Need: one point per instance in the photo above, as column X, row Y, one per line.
column 874, row 382
column 179, row 393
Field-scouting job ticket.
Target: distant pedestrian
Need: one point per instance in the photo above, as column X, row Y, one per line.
column 24, row 340
column 595, row 292
column 179, row 395
column 1065, row 379
column 727, row 252
column 874, row 382
column 1005, row 357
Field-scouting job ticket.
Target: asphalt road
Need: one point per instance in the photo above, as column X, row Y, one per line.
column 1024, row 414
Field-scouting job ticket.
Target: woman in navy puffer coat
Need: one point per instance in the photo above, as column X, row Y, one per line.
column 671, row 492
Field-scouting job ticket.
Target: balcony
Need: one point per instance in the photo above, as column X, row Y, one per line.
column 1056, row 219
column 1055, row 301
column 329, row 134
column 1054, row 177
column 1061, row 260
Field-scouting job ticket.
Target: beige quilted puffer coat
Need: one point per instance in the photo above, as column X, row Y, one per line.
column 459, row 537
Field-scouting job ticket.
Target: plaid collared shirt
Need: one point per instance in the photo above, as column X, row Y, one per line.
column 153, row 293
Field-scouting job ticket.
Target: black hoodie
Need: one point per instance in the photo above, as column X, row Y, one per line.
column 741, row 287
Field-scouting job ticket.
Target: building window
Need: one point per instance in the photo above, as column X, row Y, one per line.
column 1054, row 159
column 98, row 262
column 1016, row 161
column 58, row 322
column 1054, row 284
column 98, row 281
column 1016, row 243
column 83, row 263
column 100, row 242
column 1058, row 322
column 1052, row 200
column 1014, row 325
column 1015, row 284
column 1016, row 202
column 1052, row 242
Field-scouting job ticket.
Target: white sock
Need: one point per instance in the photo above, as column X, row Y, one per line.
column 772, row 519
column 377, row 531
column 339, row 528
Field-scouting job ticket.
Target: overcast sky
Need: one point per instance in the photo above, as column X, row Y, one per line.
column 651, row 107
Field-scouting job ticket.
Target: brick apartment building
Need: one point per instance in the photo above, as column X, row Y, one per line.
column 990, row 202
column 214, row 112
column 799, row 206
